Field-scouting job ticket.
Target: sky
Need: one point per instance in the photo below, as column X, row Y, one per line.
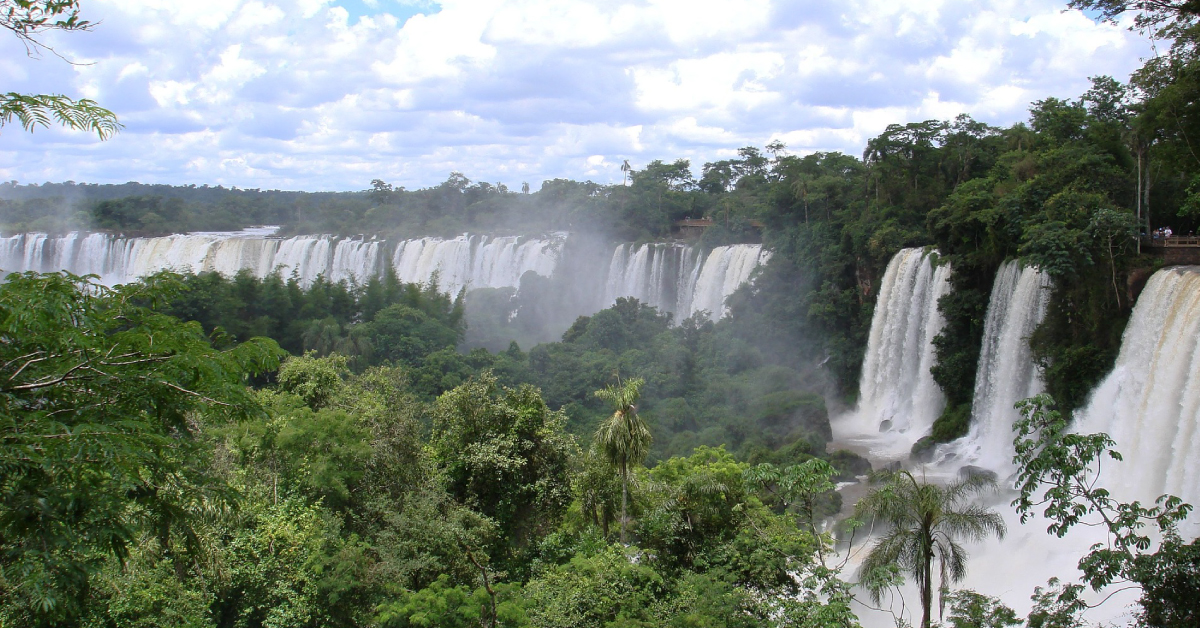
column 331, row 94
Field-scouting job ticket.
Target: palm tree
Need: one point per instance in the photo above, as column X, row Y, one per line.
column 926, row 522
column 626, row 170
column 623, row 438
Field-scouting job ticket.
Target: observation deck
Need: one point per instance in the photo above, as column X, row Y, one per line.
column 1175, row 250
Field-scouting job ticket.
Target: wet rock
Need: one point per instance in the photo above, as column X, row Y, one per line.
column 971, row 471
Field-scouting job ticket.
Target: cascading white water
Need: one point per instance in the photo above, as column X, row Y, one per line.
column 1150, row 402
column 1150, row 405
column 478, row 261
column 674, row 277
column 898, row 399
column 475, row 261
column 651, row 273
column 1006, row 372
column 725, row 268
column 670, row 276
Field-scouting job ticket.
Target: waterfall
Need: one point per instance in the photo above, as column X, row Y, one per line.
column 1150, row 402
column 1006, row 372
column 898, row 399
column 475, row 261
column 674, row 277
column 478, row 261
column 654, row 274
column 1150, row 405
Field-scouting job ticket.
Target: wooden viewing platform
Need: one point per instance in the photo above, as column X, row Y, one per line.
column 1186, row 241
column 1175, row 250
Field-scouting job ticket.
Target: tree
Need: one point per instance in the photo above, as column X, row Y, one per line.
column 926, row 522
column 623, row 438
column 1064, row 467
column 802, row 485
column 99, row 399
column 27, row 20
column 969, row 609
column 1152, row 15
column 506, row 455
column 381, row 192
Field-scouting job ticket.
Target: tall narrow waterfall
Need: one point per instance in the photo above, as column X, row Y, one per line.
column 1150, row 403
column 674, row 277
column 1006, row 373
column 899, row 400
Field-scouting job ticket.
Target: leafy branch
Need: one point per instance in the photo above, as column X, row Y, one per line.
column 34, row 110
column 28, row 18
column 1065, row 467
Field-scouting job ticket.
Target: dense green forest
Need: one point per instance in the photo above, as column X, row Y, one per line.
column 243, row 452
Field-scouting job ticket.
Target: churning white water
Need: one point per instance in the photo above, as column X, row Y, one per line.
column 677, row 278
column 1150, row 402
column 1006, row 372
column 898, row 399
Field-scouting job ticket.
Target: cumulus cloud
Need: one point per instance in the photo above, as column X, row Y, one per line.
column 329, row 94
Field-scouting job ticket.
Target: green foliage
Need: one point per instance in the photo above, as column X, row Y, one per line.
column 1169, row 579
column 1063, row 466
column 444, row 606
column 34, row 110
column 825, row 603
column 315, row 380
column 505, row 454
column 610, row 588
column 805, row 488
column 924, row 522
column 145, row 592
column 1057, row 605
column 969, row 609
column 97, row 439
column 623, row 439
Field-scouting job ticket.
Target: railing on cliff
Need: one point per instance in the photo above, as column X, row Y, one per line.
column 1173, row 241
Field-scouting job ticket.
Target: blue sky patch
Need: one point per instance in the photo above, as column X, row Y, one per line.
column 401, row 9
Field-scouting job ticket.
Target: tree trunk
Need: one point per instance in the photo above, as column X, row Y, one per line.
column 1139, row 202
column 1146, row 197
column 624, row 496
column 927, row 593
